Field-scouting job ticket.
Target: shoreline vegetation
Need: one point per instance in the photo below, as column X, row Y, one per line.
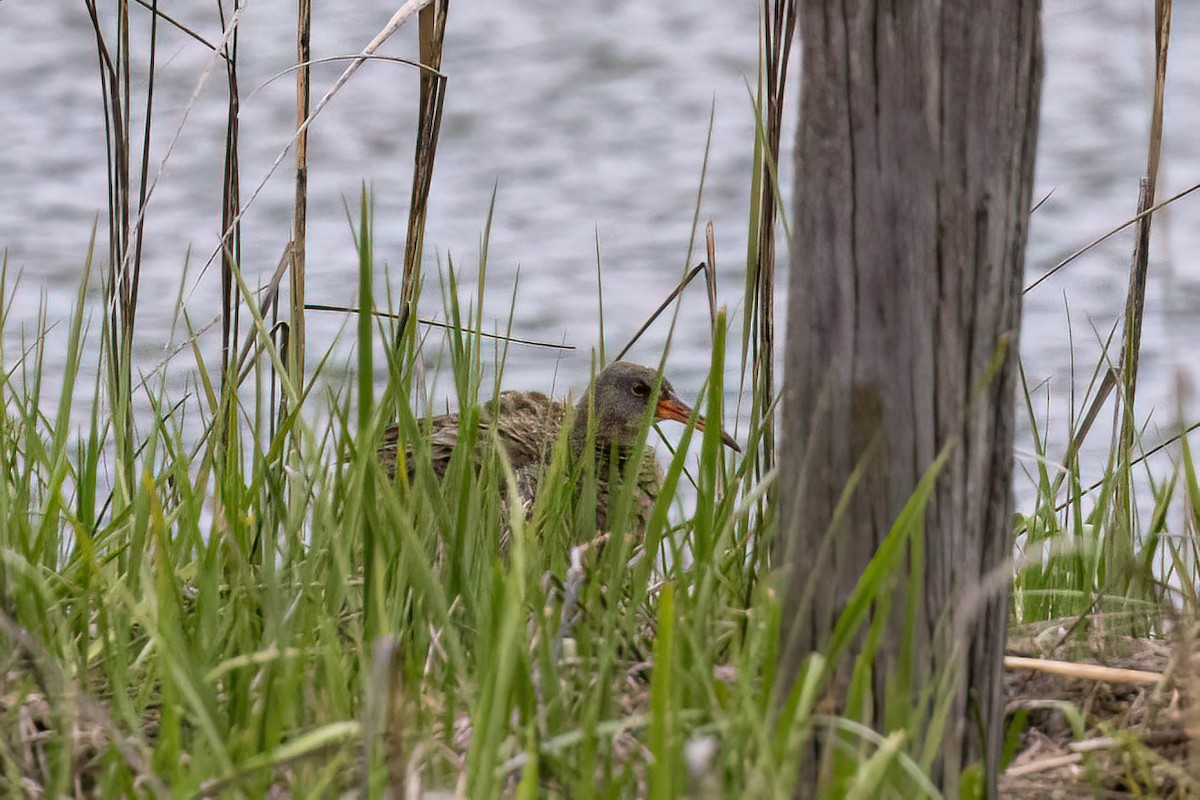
column 262, row 612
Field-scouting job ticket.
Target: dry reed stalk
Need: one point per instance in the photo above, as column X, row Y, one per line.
column 231, row 255
column 397, row 20
column 778, row 32
column 117, row 150
column 300, row 213
column 121, row 282
column 144, row 178
column 432, row 22
column 710, row 274
column 1162, row 37
column 1045, row 764
column 1091, row 672
column 1135, row 303
column 1136, row 300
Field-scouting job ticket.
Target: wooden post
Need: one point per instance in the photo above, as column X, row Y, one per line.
column 915, row 154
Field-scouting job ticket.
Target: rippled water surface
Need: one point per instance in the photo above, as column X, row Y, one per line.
column 591, row 127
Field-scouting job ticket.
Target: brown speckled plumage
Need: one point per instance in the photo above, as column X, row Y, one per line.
column 528, row 424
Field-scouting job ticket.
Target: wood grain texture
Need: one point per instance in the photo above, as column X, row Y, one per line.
column 915, row 154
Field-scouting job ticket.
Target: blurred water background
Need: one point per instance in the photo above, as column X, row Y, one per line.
column 591, row 126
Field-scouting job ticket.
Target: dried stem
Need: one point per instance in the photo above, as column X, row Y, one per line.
column 230, row 206
column 432, row 21
column 779, row 25
column 300, row 214
column 1122, row 546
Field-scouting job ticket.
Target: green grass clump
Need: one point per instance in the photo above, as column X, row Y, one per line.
column 266, row 610
column 260, row 609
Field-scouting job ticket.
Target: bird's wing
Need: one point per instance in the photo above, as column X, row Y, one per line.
column 527, row 424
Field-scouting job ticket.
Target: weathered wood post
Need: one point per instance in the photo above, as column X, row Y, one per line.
column 915, row 154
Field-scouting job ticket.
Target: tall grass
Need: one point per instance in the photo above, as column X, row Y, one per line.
column 217, row 633
column 214, row 634
column 778, row 31
column 1115, row 562
column 263, row 609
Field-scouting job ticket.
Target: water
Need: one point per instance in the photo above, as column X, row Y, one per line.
column 591, row 126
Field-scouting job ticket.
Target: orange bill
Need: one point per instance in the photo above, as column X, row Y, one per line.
column 672, row 407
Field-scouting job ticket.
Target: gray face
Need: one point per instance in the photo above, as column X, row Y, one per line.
column 624, row 394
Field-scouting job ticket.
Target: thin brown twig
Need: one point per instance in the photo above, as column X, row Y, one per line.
column 1105, row 237
column 600, row 299
column 333, row 59
column 710, row 274
column 679, row 287
column 1041, row 202
column 445, row 326
column 152, row 6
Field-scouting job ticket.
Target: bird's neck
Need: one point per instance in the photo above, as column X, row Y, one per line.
column 605, row 451
column 579, row 426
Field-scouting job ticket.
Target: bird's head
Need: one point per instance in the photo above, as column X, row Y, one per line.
column 621, row 397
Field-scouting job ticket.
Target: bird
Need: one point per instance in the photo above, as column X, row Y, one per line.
column 609, row 419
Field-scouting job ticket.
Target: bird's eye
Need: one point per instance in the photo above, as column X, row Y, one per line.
column 641, row 389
